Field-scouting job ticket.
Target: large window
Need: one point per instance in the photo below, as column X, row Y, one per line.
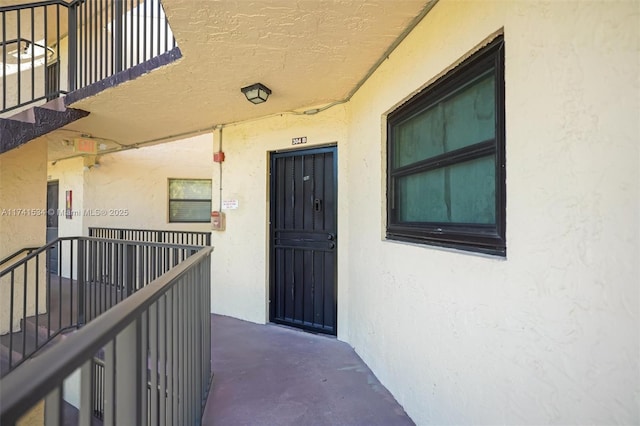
column 189, row 200
column 446, row 159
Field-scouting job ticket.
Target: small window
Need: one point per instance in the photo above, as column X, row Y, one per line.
column 446, row 159
column 189, row 200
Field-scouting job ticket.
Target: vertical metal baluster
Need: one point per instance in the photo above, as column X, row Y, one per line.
column 122, row 271
column 100, row 389
column 72, row 66
column 138, row 26
column 129, row 377
column 208, row 298
column 193, row 346
column 87, row 384
column 158, row 14
column 58, row 246
column 85, row 58
column 143, row 404
column 19, row 38
column 46, row 43
column 200, row 333
column 110, row 383
column 144, row 32
column 162, row 370
column 114, row 35
column 154, row 370
column 102, row 34
column 177, row 395
column 103, row 275
column 23, row 325
column 131, row 34
column 141, row 267
column 111, row 273
column 11, row 314
column 71, row 305
column 93, row 279
column 4, row 61
column 37, row 290
column 99, row 275
column 184, row 341
column 187, row 348
column 170, row 357
column 79, row 45
column 81, row 282
column 96, row 35
column 48, row 284
column 58, row 59
column 90, row 282
column 151, row 21
column 88, row 25
column 33, row 56
column 147, row 266
column 53, row 413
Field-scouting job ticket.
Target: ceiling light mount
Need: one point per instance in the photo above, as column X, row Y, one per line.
column 256, row 93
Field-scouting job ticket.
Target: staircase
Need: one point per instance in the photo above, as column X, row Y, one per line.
column 35, row 122
column 143, row 306
column 60, row 52
column 37, row 333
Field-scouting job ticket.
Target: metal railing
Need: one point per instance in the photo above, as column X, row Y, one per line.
column 157, row 236
column 53, row 47
column 92, row 276
column 31, row 36
column 12, row 256
column 158, row 338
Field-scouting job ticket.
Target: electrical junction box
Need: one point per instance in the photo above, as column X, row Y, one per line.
column 217, row 221
column 218, row 157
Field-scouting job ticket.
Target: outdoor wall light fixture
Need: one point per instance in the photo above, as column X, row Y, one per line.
column 256, row 93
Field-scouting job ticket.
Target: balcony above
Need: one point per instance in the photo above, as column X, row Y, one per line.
column 310, row 54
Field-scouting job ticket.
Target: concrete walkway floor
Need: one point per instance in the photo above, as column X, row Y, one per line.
column 268, row 375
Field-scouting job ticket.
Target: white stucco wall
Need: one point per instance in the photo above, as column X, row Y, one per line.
column 137, row 181
column 548, row 335
column 239, row 262
column 23, row 174
column 129, row 189
column 70, row 176
column 23, row 195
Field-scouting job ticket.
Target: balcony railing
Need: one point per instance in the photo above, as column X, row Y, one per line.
column 53, row 47
column 153, row 235
column 157, row 358
column 91, row 276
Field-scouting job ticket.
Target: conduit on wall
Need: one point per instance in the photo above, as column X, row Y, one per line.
column 220, row 168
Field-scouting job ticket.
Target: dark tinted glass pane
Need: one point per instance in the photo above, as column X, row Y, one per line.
column 462, row 193
column 420, row 137
column 189, row 211
column 196, row 189
column 462, row 119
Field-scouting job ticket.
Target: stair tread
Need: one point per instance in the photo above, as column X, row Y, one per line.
column 37, row 121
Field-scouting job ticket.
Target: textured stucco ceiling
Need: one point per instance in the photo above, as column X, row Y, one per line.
column 308, row 52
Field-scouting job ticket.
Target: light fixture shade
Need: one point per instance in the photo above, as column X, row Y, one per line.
column 256, row 93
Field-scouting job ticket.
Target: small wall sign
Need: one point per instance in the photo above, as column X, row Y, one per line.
column 229, row 204
column 298, row 141
column 68, row 212
column 85, row 146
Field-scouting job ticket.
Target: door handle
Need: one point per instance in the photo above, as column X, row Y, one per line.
column 332, row 245
column 331, row 237
column 317, row 204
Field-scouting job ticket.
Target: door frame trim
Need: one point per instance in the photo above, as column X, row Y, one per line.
column 291, row 152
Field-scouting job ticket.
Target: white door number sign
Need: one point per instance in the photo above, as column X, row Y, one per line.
column 298, row 141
